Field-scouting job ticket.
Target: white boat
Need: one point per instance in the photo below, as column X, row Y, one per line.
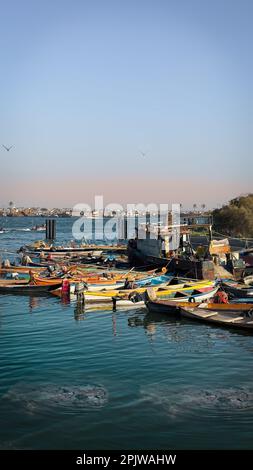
column 38, row 228
column 98, row 288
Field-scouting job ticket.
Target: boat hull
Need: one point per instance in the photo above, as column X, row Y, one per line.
column 235, row 319
column 237, row 291
column 28, row 289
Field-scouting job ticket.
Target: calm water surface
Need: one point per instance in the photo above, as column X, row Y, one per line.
column 124, row 380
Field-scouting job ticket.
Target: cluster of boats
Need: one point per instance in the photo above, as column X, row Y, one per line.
column 223, row 302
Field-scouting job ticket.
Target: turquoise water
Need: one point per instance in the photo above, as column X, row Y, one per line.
column 123, row 380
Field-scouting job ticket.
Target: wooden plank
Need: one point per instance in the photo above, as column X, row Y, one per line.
column 234, row 319
column 207, row 315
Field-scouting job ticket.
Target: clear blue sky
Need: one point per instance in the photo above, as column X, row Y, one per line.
column 87, row 85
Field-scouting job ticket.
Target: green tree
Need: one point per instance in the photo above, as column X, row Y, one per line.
column 235, row 218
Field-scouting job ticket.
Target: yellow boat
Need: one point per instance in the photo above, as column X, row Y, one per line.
column 102, row 296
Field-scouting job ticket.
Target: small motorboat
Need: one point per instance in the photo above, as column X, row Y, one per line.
column 38, row 228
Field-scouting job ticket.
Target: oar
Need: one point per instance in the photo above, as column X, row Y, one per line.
column 127, row 273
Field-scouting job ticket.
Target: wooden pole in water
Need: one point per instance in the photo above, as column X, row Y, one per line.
column 50, row 229
column 159, row 226
column 136, row 225
column 147, row 225
column 125, row 228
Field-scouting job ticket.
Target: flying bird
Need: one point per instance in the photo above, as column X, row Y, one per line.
column 143, row 154
column 7, row 148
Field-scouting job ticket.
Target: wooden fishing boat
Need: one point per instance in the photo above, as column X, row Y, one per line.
column 23, row 269
column 30, row 289
column 175, row 298
column 37, row 248
column 80, row 271
column 238, row 290
column 102, row 286
column 98, row 268
column 243, row 300
column 156, row 305
column 47, row 281
column 93, row 282
column 128, row 298
column 97, row 283
column 106, row 295
column 234, row 319
column 14, row 282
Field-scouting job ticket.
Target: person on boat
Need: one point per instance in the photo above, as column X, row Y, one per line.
column 221, row 297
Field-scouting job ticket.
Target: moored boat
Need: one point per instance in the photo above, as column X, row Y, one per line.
column 234, row 319
column 156, row 305
column 13, row 282
column 175, row 290
column 22, row 269
column 30, row 289
column 238, row 290
column 173, row 299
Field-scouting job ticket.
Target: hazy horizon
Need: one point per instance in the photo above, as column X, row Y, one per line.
column 107, row 189
column 147, row 101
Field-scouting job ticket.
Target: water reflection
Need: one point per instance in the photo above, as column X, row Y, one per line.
column 114, row 324
column 173, row 330
column 146, row 319
column 33, row 303
column 149, row 320
column 79, row 311
column 65, row 299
